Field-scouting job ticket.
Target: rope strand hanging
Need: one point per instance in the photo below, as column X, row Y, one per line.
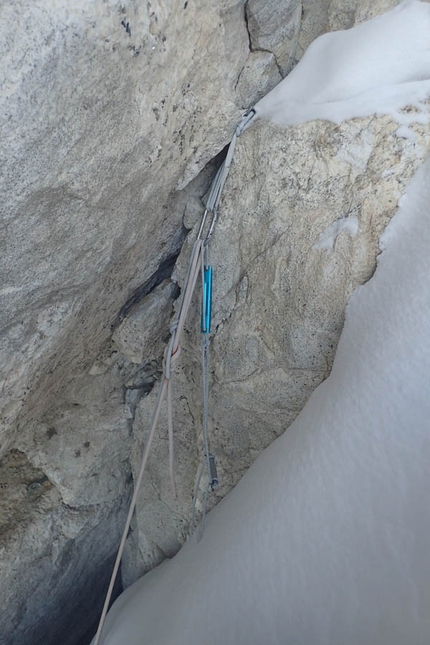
column 172, row 352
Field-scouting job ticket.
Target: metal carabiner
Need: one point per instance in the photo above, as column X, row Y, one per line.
column 246, row 120
column 213, row 475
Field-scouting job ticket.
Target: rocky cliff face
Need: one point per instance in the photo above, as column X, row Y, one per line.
column 113, row 117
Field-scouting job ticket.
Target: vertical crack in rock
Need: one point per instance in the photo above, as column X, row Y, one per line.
column 245, row 9
column 277, row 32
column 253, row 47
column 163, row 272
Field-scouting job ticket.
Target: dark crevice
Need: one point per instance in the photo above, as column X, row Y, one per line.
column 95, row 591
column 117, row 591
column 163, row 272
column 253, row 48
column 261, row 49
column 213, row 166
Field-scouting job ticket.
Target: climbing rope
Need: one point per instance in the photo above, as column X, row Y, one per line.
column 196, row 265
column 208, row 464
column 209, row 460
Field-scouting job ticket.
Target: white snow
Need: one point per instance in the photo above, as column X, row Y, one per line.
column 328, row 237
column 380, row 67
column 325, row 540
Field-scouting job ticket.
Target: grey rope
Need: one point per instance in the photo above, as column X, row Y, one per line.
column 172, row 352
column 212, row 206
column 205, row 383
column 205, row 467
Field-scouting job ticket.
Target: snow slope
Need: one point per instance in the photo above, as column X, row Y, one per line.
column 378, row 67
column 325, row 541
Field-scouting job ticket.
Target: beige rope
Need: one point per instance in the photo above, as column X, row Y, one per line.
column 171, row 442
column 172, row 355
column 173, row 351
